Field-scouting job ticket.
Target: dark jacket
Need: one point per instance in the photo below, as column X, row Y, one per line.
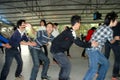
column 116, row 32
column 16, row 38
column 64, row 40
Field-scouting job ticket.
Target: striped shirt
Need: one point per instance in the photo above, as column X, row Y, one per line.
column 101, row 35
column 42, row 38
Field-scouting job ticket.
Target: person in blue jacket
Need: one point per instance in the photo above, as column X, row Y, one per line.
column 17, row 38
column 4, row 42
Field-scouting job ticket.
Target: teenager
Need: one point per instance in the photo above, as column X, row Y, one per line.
column 43, row 38
column 95, row 56
column 62, row 43
column 116, row 51
column 17, row 38
column 87, row 38
column 4, row 42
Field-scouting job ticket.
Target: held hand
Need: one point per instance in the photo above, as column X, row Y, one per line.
column 94, row 44
column 6, row 46
column 46, row 44
column 32, row 43
column 117, row 37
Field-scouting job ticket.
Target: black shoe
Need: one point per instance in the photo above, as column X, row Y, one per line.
column 46, row 78
column 69, row 56
column 118, row 75
column 83, row 55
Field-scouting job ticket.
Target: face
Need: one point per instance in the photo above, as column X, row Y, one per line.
column 115, row 23
column 77, row 26
column 49, row 28
column 55, row 26
column 42, row 23
column 23, row 26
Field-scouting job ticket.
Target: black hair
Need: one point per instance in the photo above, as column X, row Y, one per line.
column 50, row 23
column 43, row 22
column 67, row 27
column 56, row 24
column 75, row 19
column 93, row 28
column 19, row 22
column 99, row 24
column 14, row 28
column 110, row 16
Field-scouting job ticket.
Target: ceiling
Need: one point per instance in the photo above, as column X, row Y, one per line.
column 59, row 11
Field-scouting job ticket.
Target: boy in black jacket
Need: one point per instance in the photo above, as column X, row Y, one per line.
column 63, row 42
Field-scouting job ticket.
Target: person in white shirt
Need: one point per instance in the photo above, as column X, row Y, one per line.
column 55, row 32
column 42, row 25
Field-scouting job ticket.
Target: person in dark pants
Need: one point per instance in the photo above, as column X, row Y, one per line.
column 63, row 42
column 43, row 27
column 15, row 40
column 4, row 42
column 108, row 47
column 87, row 38
column 68, row 50
column 116, row 50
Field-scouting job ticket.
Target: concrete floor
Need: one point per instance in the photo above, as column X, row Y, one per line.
column 79, row 65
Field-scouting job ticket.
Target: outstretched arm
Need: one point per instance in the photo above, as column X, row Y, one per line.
column 85, row 44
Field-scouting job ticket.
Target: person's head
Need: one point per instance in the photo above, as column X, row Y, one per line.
column 42, row 22
column 75, row 22
column 66, row 27
column 14, row 28
column 21, row 24
column 93, row 28
column 99, row 24
column 110, row 19
column 55, row 25
column 49, row 27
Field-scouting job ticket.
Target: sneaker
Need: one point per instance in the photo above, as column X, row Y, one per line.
column 46, row 78
column 19, row 78
column 114, row 78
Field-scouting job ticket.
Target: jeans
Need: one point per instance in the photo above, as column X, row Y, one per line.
column 37, row 55
column 95, row 58
column 10, row 54
column 65, row 65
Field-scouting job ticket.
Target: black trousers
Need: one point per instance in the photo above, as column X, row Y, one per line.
column 116, row 51
column 116, row 67
column 45, row 51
